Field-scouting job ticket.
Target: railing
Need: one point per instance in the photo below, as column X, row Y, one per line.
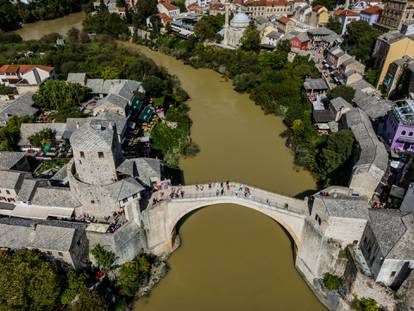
column 230, row 191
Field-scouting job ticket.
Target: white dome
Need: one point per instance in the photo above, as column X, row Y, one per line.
column 240, row 20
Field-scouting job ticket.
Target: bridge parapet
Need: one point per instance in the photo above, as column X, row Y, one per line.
column 233, row 191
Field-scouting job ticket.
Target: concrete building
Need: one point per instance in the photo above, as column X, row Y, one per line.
column 25, row 74
column 346, row 17
column 319, row 16
column 389, row 47
column 371, row 14
column 399, row 131
column 268, row 7
column 397, row 68
column 284, row 24
column 336, row 56
column 395, row 14
column 168, row 8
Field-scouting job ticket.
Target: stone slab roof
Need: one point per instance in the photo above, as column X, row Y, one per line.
column 339, row 103
column 28, row 129
column 408, row 203
column 94, row 135
column 22, row 106
column 320, row 31
column 274, row 35
column 373, row 152
column 26, row 190
column 76, row 77
column 315, row 84
column 38, row 237
column 8, row 159
column 142, row 168
column 54, row 197
column 115, row 100
column 11, row 179
column 394, row 232
column 345, row 207
column 124, row 188
column 96, row 85
column 61, row 174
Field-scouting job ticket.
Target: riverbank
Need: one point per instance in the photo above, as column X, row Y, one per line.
column 275, row 85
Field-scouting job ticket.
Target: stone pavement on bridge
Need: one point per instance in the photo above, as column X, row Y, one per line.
column 229, row 190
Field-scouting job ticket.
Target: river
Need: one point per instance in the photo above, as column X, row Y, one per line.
column 61, row 25
column 231, row 258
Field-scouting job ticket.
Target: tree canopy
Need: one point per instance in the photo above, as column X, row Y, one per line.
column 346, row 92
column 27, row 282
column 144, row 9
column 250, row 41
column 334, row 24
column 132, row 274
column 104, row 258
column 360, row 40
column 208, row 27
column 62, row 97
column 75, row 284
column 89, row 301
column 106, row 23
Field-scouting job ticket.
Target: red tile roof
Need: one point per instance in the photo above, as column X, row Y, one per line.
column 217, row 6
column 23, row 68
column 165, row 18
column 169, row 6
column 9, row 68
column 283, row 20
column 372, row 10
column 27, row 68
column 345, row 13
column 193, row 7
column 317, row 7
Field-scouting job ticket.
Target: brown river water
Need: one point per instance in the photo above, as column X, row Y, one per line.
column 231, row 258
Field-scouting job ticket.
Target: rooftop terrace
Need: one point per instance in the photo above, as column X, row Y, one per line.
column 403, row 111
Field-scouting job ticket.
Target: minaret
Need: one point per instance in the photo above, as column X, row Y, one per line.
column 226, row 23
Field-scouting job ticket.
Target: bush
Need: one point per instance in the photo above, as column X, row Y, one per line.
column 331, row 281
column 105, row 259
column 365, row 304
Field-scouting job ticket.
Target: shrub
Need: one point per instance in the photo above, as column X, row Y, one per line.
column 331, row 281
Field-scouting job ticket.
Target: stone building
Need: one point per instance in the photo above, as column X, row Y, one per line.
column 234, row 31
column 395, row 14
column 387, row 246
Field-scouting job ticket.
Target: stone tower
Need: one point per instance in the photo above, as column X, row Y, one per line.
column 226, row 23
column 96, row 152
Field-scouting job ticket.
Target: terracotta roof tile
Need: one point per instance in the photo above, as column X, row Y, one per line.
column 372, row 10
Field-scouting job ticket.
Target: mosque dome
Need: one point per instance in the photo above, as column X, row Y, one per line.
column 240, row 20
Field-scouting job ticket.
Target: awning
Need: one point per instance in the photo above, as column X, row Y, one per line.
column 136, row 104
column 146, row 114
column 31, row 211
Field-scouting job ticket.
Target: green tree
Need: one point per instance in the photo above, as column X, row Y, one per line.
column 132, row 274
column 9, row 17
column 335, row 152
column 75, row 284
column 329, row 4
column 89, row 301
column 334, row 24
column 104, row 258
column 106, row 23
column 331, row 281
column 360, row 40
column 27, row 282
column 61, row 97
column 346, row 92
column 208, row 26
column 42, row 138
column 144, row 9
column 153, row 86
column 250, row 41
column 365, row 304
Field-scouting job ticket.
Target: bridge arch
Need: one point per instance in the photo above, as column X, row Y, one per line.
column 163, row 218
column 293, row 224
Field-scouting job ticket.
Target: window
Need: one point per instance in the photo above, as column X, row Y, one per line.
column 410, row 134
column 393, row 273
column 403, row 132
column 82, row 154
column 125, row 200
column 7, row 191
column 100, row 154
column 60, row 254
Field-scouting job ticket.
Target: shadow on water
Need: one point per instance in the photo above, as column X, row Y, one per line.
column 176, row 175
column 307, row 193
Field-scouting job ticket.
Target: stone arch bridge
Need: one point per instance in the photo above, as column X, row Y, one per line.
column 167, row 207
